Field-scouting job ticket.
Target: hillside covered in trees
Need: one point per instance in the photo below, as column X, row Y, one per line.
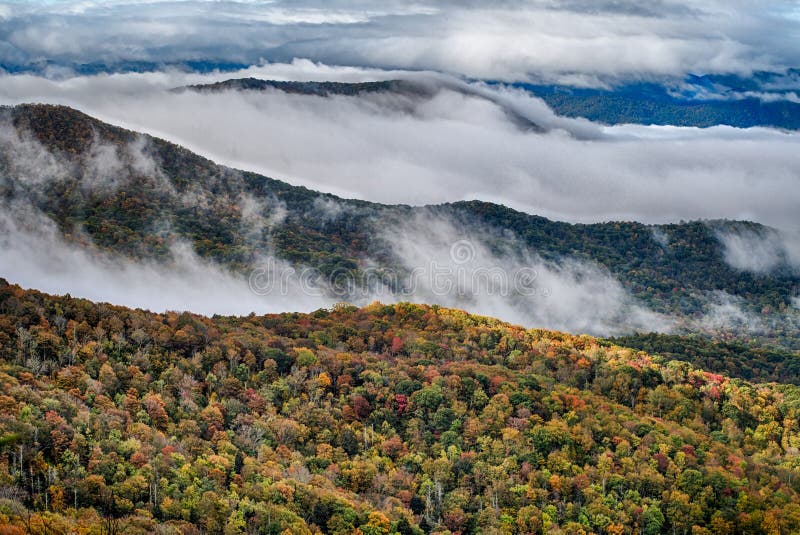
column 401, row 419
column 733, row 358
column 135, row 195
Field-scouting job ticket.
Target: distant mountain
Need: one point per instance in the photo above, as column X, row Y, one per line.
column 135, row 195
column 700, row 102
column 412, row 90
column 313, row 88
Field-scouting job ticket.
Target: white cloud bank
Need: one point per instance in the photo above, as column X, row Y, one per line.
column 33, row 254
column 578, row 41
column 451, row 147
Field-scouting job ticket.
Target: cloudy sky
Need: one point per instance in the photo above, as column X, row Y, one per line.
column 580, row 41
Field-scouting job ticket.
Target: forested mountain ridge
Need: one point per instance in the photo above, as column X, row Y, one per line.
column 387, row 419
column 636, row 103
column 654, row 105
column 135, row 194
column 310, row 88
column 403, row 93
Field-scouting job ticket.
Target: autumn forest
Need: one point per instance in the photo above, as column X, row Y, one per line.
column 389, row 419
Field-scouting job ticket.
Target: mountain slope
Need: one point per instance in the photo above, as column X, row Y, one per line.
column 388, row 419
column 137, row 195
column 728, row 357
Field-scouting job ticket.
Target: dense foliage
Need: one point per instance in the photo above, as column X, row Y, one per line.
column 389, row 419
column 673, row 273
column 733, row 358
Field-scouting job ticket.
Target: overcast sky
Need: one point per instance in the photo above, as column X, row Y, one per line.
column 578, row 41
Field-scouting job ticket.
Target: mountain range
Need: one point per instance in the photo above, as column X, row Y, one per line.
column 701, row 101
column 137, row 196
column 399, row 268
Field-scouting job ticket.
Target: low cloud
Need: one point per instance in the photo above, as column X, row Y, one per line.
column 760, row 250
column 35, row 255
column 660, row 237
column 439, row 264
column 260, row 216
column 506, row 282
column 26, row 164
column 327, row 209
column 725, row 312
column 102, row 169
column 458, row 267
column 714, row 93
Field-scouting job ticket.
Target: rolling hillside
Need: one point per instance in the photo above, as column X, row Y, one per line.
column 388, row 419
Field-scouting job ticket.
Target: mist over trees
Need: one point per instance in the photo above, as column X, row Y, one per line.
column 161, row 210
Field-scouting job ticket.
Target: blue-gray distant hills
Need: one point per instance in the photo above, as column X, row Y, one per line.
column 701, row 101
column 651, row 104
